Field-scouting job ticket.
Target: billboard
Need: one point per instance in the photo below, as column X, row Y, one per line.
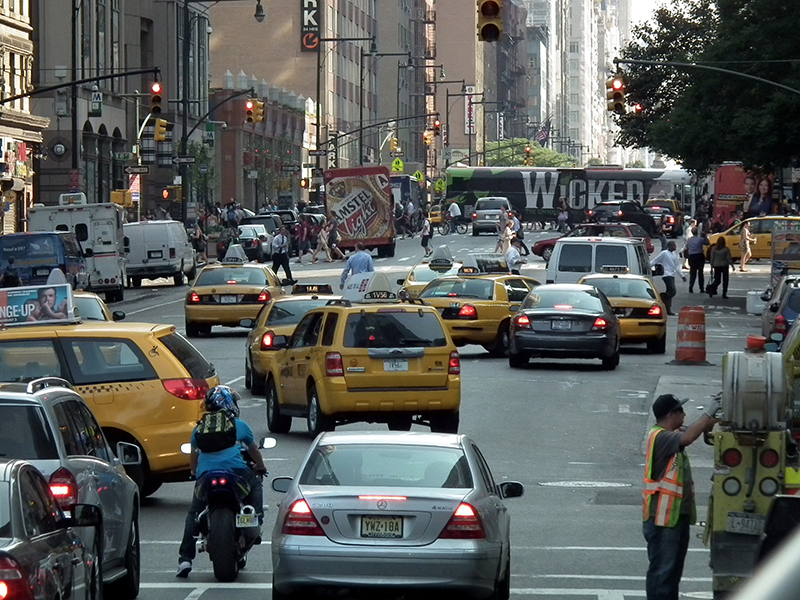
column 360, row 199
column 737, row 189
column 34, row 304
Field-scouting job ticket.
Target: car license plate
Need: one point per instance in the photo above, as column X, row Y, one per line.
column 44, row 272
column 381, row 527
column 561, row 325
column 395, row 364
column 490, row 218
column 247, row 520
column 154, row 254
column 746, row 523
column 227, row 299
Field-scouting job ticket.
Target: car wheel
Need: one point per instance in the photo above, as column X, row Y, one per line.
column 475, row 232
column 657, row 346
column 445, row 423
column 248, row 377
column 242, row 563
column 502, row 587
column 137, row 282
column 222, row 543
column 547, row 253
column 499, row 347
column 178, row 278
column 128, row 586
column 400, row 423
column 193, row 273
column 192, row 329
column 517, row 361
column 610, row 363
column 317, row 422
column 276, row 422
column 258, row 384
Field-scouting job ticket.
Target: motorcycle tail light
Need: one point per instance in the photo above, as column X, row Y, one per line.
column 187, row 389
column 300, row 521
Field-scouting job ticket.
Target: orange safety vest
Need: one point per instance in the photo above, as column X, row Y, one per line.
column 669, row 488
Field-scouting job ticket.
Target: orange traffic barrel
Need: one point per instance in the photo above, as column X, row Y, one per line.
column 691, row 346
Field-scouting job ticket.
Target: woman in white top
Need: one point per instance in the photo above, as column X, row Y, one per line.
column 507, row 235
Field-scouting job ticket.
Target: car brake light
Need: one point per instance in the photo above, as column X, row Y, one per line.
column 474, row 215
column 187, row 389
column 194, row 298
column 266, row 341
column 468, row 312
column 732, row 457
column 522, row 321
column 655, row 311
column 769, row 458
column 374, row 497
column 64, row 488
column 590, row 212
column 562, row 306
column 454, row 367
column 300, row 521
column 333, row 364
column 780, row 325
column 465, row 524
column 264, row 296
column 13, row 582
column 619, row 213
column 599, row 324
column 671, row 219
column 255, row 243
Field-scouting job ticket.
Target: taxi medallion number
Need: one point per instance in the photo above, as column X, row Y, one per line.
column 746, row 523
column 381, row 527
column 227, row 299
column 395, row 364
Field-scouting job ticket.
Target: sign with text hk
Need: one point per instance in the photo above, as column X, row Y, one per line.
column 310, row 26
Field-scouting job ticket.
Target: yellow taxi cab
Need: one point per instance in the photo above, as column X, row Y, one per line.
column 435, row 216
column 90, row 307
column 375, row 360
column 226, row 292
column 761, row 228
column 440, row 264
column 278, row 317
column 477, row 306
column 145, row 383
column 638, row 306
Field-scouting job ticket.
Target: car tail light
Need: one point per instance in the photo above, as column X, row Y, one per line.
column 468, row 312
column 781, row 325
column 266, row 340
column 13, row 582
column 732, row 457
column 264, row 296
column 255, row 243
column 465, row 524
column 599, row 324
column 619, row 213
column 655, row 311
column 671, row 219
column 474, row 215
column 187, row 389
column 333, row 364
column 562, row 306
column 172, row 252
column 194, row 298
column 590, row 212
column 300, row 521
column 64, row 488
column 769, row 458
column 454, row 366
column 522, row 321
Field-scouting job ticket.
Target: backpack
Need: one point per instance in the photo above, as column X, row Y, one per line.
column 216, row 431
column 10, row 278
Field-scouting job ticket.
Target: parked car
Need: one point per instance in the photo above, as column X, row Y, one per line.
column 544, row 247
column 385, row 511
column 782, row 310
column 48, row 424
column 253, row 238
column 623, row 210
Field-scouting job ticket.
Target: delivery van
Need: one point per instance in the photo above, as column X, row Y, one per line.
column 159, row 249
column 575, row 257
column 37, row 253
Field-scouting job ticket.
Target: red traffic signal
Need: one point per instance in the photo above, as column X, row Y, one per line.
column 437, row 127
column 248, row 107
column 155, row 98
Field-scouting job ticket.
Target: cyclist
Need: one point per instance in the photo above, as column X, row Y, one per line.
column 453, row 215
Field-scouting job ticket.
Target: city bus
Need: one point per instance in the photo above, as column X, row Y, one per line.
column 534, row 191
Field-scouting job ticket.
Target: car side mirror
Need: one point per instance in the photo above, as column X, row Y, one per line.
column 248, row 323
column 280, row 341
column 511, row 489
column 281, row 484
column 267, row 443
column 84, row 515
column 766, row 296
column 129, row 454
column 773, row 307
column 401, row 281
column 88, row 253
column 118, row 315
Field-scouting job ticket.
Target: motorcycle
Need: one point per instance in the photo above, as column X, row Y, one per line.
column 227, row 527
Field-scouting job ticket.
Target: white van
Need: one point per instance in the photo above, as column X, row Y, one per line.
column 574, row 257
column 159, row 249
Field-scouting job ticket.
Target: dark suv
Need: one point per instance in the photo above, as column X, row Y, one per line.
column 624, row 210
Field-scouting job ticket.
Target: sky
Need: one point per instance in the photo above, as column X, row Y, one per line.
column 642, row 9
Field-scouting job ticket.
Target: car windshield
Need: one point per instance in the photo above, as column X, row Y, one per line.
column 24, row 433
column 491, row 204
column 482, row 289
column 251, row 231
column 371, row 465
column 191, row 359
column 394, row 328
column 425, row 273
column 549, row 299
column 232, row 276
column 291, row 311
column 622, row 288
column 88, row 309
column 5, row 513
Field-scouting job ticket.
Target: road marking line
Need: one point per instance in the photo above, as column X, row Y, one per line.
column 195, row 594
column 134, row 312
column 403, row 259
column 232, row 381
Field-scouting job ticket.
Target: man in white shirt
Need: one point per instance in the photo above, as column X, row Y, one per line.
column 454, row 210
column 513, row 257
column 671, row 263
column 281, row 247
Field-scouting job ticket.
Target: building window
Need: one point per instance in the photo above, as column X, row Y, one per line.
column 574, row 47
column 115, row 41
column 101, row 37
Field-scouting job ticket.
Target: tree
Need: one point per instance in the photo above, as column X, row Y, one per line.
column 701, row 118
column 511, row 153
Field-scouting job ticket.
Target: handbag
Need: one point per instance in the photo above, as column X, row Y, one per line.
column 520, row 234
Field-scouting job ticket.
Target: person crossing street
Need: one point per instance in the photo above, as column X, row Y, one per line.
column 671, row 265
column 359, row 262
column 280, row 253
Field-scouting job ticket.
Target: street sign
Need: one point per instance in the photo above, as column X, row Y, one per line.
column 309, row 165
column 290, row 168
column 419, row 177
column 204, row 169
column 183, row 160
column 440, row 186
column 316, row 180
column 318, row 172
column 396, row 153
column 321, row 152
column 123, row 156
column 96, row 105
column 137, row 170
column 397, row 166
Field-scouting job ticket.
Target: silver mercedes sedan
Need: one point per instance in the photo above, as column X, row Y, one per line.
column 399, row 511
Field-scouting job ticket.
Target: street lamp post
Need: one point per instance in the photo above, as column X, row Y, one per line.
column 373, row 51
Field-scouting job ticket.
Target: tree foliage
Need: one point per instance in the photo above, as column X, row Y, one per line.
column 699, row 117
column 511, row 153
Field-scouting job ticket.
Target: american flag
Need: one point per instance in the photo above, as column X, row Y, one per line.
column 543, row 134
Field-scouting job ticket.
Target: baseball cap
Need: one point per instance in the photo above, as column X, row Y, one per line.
column 665, row 404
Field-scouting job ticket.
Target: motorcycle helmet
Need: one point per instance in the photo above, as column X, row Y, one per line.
column 224, row 398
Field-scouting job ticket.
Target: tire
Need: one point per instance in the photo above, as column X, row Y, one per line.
column 248, row 377
column 547, row 253
column 443, row 229
column 242, row 563
column 178, row 278
column 400, row 423
column 316, row 421
column 222, row 544
column 499, row 347
column 517, row 361
column 192, row 329
column 657, row 346
column 128, row 586
column 193, row 273
column 258, row 385
column 446, row 423
column 276, row 422
column 462, row 228
column 475, row 232
column 390, row 249
column 610, row 363
column 137, row 282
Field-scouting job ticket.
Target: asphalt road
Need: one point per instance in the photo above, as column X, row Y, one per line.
column 570, row 432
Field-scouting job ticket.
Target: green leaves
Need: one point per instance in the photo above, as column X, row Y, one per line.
column 511, row 153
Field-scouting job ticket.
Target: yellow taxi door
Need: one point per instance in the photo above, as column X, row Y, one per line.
column 762, row 229
column 300, row 354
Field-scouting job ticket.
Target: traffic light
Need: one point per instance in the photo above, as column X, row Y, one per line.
column 249, row 108
column 615, row 92
column 638, row 108
column 490, row 20
column 155, row 98
column 527, row 155
column 160, row 132
column 395, row 144
column 258, row 111
column 304, row 183
column 172, row 193
column 427, row 137
column 437, row 127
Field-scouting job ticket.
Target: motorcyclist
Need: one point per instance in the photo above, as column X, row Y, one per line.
column 217, row 443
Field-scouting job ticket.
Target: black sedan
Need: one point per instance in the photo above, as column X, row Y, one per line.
column 40, row 554
column 565, row 321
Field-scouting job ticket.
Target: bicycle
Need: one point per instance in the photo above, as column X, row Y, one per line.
column 461, row 226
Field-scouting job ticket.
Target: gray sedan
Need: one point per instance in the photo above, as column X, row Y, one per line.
column 393, row 511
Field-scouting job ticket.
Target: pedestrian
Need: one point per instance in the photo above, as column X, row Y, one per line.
column 427, row 233
column 280, row 253
column 359, row 262
column 322, row 244
column 411, row 211
column 161, row 213
column 199, row 242
column 513, row 257
column 230, row 215
column 721, row 261
column 518, row 233
column 303, row 238
column 671, row 264
column 668, row 494
column 501, row 228
column 745, row 239
column 10, row 276
column 695, row 255
column 506, row 236
column 333, row 241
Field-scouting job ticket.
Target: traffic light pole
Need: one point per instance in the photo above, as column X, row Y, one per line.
column 361, row 94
